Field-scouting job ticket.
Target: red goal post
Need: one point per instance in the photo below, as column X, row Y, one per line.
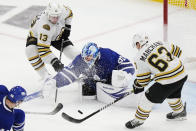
column 190, row 4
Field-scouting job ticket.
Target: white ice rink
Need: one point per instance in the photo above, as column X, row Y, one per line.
column 111, row 24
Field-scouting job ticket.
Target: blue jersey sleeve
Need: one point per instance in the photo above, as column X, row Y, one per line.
column 71, row 73
column 19, row 120
column 3, row 90
column 119, row 62
column 125, row 65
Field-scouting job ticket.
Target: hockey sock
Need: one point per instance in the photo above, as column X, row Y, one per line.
column 175, row 104
column 144, row 109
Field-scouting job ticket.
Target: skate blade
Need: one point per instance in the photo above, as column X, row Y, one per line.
column 177, row 119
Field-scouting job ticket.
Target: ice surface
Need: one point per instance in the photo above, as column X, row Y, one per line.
column 110, row 23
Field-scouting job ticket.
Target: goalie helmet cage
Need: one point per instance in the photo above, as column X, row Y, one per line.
column 180, row 3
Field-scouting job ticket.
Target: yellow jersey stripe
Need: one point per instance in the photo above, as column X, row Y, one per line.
column 34, row 57
column 45, row 54
column 70, row 14
column 43, row 45
column 172, row 51
column 172, row 76
column 179, row 54
column 143, row 74
column 173, row 70
column 46, row 49
column 143, row 85
column 31, row 33
column 36, row 63
column 177, row 50
column 144, row 80
column 40, row 66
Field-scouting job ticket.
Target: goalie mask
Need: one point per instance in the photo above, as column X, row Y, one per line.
column 90, row 53
column 54, row 11
column 141, row 39
column 17, row 94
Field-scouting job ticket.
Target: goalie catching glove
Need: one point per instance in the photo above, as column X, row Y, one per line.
column 137, row 88
column 57, row 65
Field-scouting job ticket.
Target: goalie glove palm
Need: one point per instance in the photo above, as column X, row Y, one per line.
column 137, row 88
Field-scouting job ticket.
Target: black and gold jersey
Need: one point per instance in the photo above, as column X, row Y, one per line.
column 159, row 61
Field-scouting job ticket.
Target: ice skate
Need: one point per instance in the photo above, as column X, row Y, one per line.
column 133, row 123
column 177, row 116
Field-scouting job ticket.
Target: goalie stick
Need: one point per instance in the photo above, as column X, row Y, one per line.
column 53, row 112
column 74, row 120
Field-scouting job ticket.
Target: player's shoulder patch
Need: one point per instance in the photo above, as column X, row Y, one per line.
column 46, row 26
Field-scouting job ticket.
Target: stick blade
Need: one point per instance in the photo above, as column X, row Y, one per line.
column 57, row 109
column 71, row 119
column 53, row 112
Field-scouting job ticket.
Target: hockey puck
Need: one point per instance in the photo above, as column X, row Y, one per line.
column 79, row 111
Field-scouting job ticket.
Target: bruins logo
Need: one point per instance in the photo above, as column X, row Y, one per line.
column 46, row 26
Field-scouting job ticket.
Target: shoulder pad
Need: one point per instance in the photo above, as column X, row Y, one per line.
column 46, row 26
column 3, row 89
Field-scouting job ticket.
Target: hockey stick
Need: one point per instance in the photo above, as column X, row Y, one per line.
column 33, row 96
column 74, row 120
column 56, row 93
column 53, row 112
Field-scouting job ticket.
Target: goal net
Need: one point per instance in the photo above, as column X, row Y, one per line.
column 183, row 3
column 175, row 4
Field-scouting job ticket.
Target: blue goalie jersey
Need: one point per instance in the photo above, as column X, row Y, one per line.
column 9, row 118
column 108, row 61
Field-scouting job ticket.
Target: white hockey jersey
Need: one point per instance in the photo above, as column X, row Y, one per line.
column 160, row 62
column 45, row 32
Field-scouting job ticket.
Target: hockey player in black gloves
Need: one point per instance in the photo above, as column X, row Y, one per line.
column 158, row 61
column 50, row 28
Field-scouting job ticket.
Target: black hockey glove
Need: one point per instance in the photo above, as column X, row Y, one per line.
column 66, row 32
column 137, row 88
column 88, row 90
column 57, row 65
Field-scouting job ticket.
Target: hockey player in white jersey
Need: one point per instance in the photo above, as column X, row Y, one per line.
column 50, row 28
column 159, row 62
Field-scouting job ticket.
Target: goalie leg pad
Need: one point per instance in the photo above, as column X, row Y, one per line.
column 107, row 93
